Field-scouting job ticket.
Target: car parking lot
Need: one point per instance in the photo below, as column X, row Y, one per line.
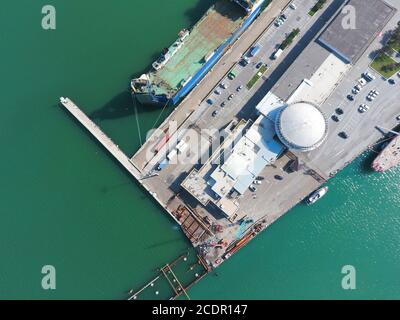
column 374, row 106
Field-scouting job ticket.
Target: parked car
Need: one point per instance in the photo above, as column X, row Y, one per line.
column 245, row 61
column 339, row 111
column 259, row 65
column 356, row 89
column 223, row 104
column 210, row 102
column 215, row 113
column 362, row 82
column 391, row 81
column 230, row 97
column 363, row 108
column 335, row 118
column 292, row 6
column 254, row 51
column 253, row 188
column 239, row 88
column 350, row 97
column 372, row 95
column 223, row 85
column 232, row 75
column 343, row 135
column 368, row 76
column 217, row 92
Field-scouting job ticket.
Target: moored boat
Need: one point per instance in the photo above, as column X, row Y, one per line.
column 316, row 195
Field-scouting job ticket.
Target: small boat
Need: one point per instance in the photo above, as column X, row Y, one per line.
column 316, row 195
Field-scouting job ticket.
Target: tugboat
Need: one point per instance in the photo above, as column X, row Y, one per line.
column 316, row 195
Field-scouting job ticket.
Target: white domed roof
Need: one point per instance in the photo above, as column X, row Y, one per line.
column 302, row 126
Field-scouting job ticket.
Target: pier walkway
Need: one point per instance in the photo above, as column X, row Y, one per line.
column 101, row 137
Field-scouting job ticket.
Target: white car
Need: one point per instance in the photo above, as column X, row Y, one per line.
column 223, row 85
column 363, row 108
column 362, row 82
column 372, row 95
column 253, row 188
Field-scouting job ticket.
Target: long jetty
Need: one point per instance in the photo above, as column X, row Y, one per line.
column 101, row 137
column 113, row 148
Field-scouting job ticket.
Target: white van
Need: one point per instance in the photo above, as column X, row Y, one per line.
column 277, row 54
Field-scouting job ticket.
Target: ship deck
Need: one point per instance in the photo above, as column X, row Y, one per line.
column 219, row 22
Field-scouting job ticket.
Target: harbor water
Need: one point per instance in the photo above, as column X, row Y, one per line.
column 66, row 202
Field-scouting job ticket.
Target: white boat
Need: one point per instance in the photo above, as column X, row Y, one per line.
column 316, row 195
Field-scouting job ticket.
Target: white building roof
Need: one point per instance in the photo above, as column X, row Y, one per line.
column 302, row 126
column 252, row 153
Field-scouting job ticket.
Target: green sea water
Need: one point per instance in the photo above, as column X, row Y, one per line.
column 65, row 202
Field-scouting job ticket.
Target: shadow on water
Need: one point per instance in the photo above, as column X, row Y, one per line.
column 107, row 189
column 194, row 14
column 367, row 161
column 164, row 243
column 120, row 106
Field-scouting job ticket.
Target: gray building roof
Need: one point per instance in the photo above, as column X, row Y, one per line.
column 349, row 43
column 304, row 67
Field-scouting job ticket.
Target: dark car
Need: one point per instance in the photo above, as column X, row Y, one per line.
column 259, row 65
column 350, row 97
column 391, row 81
column 210, row 102
column 339, row 111
column 343, row 135
column 335, row 118
column 223, row 104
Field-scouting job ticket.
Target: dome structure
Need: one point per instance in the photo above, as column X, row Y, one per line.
column 301, row 126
